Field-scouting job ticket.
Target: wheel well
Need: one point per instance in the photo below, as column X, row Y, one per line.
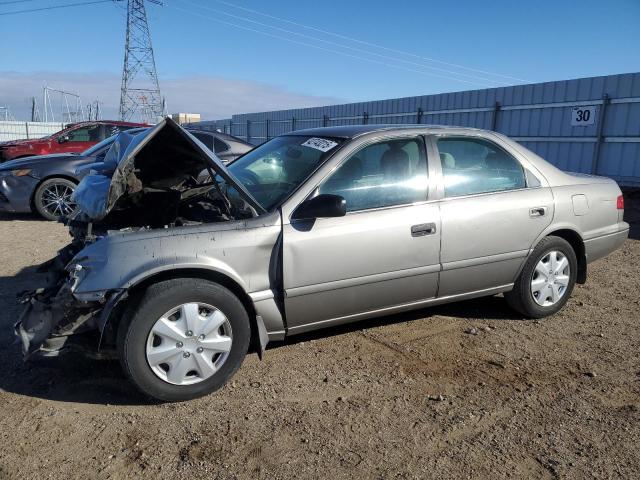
column 42, row 180
column 576, row 242
column 135, row 292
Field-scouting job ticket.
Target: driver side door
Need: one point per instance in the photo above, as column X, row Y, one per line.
column 381, row 257
column 80, row 139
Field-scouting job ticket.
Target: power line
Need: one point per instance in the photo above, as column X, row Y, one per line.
column 337, row 52
column 54, row 7
column 16, row 1
column 326, row 32
column 487, row 81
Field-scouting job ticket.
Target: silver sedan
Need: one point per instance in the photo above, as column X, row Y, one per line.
column 180, row 279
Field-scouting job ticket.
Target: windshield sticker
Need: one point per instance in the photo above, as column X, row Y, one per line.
column 321, row 144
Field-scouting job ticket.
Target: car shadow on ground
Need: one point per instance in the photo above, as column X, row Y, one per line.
column 76, row 378
column 69, row 378
column 8, row 217
column 492, row 309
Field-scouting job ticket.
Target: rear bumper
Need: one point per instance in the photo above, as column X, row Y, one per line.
column 16, row 193
column 602, row 246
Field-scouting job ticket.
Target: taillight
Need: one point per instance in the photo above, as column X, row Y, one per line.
column 620, row 202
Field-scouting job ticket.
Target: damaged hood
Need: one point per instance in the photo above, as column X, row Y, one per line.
column 158, row 159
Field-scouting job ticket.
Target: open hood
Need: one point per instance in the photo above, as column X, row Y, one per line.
column 165, row 163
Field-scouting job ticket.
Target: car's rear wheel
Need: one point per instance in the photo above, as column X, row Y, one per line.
column 547, row 279
column 184, row 339
column 53, row 198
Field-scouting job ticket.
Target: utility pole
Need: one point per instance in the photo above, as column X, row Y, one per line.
column 140, row 92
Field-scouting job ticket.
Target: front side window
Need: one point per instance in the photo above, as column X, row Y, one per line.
column 99, row 149
column 85, row 134
column 475, row 165
column 384, row 174
column 275, row 169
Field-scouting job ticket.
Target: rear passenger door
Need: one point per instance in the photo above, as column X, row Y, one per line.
column 491, row 213
column 382, row 255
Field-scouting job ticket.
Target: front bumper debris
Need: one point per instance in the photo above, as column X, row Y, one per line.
column 52, row 315
column 50, row 318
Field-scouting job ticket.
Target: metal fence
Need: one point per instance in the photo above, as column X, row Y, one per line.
column 589, row 125
column 20, row 130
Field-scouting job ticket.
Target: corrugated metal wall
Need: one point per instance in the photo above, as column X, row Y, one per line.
column 537, row 115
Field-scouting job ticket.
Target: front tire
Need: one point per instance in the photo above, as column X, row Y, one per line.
column 184, row 339
column 52, row 198
column 547, row 279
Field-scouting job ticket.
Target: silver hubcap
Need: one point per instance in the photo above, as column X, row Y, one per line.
column 56, row 200
column 550, row 279
column 189, row 343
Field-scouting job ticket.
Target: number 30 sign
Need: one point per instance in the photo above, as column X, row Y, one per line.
column 582, row 116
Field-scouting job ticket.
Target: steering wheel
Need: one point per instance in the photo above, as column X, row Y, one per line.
column 248, row 177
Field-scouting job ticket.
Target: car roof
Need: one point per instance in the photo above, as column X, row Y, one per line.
column 353, row 131
column 108, row 122
column 220, row 135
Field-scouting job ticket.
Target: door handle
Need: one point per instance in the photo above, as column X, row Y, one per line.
column 423, row 229
column 537, row 211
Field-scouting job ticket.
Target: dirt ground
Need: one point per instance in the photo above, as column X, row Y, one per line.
column 407, row 396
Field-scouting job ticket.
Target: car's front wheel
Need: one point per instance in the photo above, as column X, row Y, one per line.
column 184, row 339
column 52, row 198
column 547, row 279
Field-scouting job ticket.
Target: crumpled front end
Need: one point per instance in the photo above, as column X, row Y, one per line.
column 54, row 320
column 146, row 209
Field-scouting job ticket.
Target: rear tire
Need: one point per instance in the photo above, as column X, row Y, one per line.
column 52, row 198
column 141, row 338
column 547, row 279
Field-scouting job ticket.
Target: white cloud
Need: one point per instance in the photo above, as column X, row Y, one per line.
column 212, row 97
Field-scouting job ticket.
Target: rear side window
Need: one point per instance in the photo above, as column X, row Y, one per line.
column 111, row 129
column 384, row 174
column 475, row 165
column 219, row 145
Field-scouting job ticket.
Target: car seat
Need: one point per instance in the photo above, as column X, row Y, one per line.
column 343, row 181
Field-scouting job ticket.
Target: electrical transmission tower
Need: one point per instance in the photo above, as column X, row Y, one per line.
column 140, row 93
column 71, row 109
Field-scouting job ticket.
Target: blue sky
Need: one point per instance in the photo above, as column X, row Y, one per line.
column 218, row 69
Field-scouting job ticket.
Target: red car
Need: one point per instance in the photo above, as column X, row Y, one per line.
column 77, row 137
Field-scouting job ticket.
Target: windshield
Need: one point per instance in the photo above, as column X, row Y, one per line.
column 272, row 171
column 98, row 146
column 96, row 149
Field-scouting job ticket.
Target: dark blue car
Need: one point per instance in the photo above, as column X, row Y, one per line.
column 45, row 183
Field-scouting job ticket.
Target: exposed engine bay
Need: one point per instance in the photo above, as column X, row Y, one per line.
column 160, row 178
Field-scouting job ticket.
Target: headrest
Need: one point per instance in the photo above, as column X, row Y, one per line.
column 447, row 160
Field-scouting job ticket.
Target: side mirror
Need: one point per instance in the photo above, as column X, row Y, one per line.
column 63, row 138
column 323, row 206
